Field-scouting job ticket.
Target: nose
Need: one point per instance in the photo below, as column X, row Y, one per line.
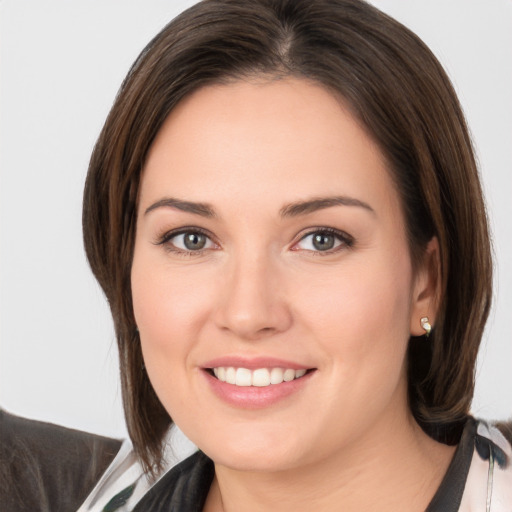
column 252, row 300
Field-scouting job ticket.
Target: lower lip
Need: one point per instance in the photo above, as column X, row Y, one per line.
column 253, row 397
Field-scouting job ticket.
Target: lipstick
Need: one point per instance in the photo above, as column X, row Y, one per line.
column 254, row 383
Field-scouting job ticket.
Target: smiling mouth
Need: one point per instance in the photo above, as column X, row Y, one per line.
column 261, row 377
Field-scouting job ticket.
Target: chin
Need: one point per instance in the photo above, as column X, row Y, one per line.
column 256, row 451
column 264, row 461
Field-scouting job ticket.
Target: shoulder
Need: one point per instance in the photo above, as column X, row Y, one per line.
column 45, row 467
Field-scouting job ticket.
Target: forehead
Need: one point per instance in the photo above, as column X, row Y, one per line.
column 278, row 140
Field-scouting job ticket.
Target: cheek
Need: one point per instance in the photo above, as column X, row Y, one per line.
column 361, row 324
column 171, row 307
column 161, row 314
column 168, row 305
column 361, row 315
column 165, row 322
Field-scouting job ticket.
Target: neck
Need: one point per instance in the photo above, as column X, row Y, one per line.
column 394, row 466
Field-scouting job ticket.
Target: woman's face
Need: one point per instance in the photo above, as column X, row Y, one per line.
column 271, row 243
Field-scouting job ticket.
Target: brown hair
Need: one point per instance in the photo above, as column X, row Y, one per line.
column 397, row 89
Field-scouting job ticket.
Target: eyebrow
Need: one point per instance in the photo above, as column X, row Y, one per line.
column 320, row 203
column 290, row 210
column 202, row 209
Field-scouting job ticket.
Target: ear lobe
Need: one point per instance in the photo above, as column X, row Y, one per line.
column 427, row 289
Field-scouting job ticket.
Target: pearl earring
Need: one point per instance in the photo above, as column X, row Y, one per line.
column 425, row 324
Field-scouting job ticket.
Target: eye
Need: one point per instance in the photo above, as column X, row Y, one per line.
column 324, row 240
column 187, row 241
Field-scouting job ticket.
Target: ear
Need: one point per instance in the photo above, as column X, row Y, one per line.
column 427, row 289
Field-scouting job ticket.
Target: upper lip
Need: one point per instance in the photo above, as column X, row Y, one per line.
column 253, row 363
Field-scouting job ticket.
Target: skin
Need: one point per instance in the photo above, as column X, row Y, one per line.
column 260, row 287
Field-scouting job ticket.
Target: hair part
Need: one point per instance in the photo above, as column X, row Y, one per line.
column 399, row 92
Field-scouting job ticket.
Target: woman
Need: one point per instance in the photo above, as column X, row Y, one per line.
column 284, row 212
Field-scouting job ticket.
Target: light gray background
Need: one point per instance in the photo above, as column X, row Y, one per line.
column 61, row 63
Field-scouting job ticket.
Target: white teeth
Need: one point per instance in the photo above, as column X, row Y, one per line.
column 243, row 377
column 276, row 376
column 289, row 375
column 261, row 377
column 231, row 375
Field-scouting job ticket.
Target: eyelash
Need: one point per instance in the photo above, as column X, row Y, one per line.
column 165, row 239
column 347, row 241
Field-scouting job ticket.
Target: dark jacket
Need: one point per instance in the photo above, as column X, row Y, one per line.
column 48, row 468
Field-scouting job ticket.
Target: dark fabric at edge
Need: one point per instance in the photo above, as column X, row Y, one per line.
column 48, row 468
column 449, row 494
column 183, row 489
